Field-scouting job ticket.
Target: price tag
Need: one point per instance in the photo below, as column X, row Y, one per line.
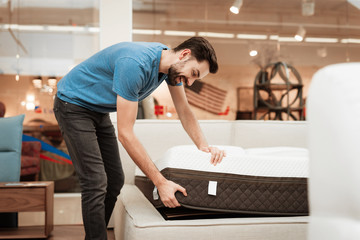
column 212, row 188
column 155, row 194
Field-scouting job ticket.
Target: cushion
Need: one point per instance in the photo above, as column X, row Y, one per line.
column 11, row 133
column 11, row 129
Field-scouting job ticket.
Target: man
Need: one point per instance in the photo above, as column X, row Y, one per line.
column 115, row 79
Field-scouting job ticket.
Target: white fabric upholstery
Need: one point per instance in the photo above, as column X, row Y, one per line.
column 334, row 127
column 135, row 218
column 143, row 221
column 249, row 134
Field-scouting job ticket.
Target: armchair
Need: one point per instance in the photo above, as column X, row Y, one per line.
column 10, row 148
column 10, row 158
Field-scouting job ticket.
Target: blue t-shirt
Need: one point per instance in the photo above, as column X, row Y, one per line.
column 128, row 69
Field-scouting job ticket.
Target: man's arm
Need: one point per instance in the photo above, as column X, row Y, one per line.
column 191, row 125
column 126, row 116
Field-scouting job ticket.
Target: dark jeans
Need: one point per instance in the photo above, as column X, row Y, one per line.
column 93, row 148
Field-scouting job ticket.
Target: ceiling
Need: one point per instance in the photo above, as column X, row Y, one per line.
column 332, row 18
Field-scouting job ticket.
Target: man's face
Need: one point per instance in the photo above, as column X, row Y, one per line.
column 187, row 71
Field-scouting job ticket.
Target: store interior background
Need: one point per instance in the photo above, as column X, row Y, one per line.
column 47, row 38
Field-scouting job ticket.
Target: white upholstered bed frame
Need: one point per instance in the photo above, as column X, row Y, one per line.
column 136, row 219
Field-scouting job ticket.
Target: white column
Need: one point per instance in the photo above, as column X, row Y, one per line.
column 115, row 22
column 115, row 25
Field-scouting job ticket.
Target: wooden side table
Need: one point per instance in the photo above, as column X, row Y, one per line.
column 28, row 197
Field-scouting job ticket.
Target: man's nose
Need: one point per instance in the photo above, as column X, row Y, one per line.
column 191, row 81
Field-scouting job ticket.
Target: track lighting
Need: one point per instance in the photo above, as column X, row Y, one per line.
column 308, row 7
column 300, row 34
column 235, row 8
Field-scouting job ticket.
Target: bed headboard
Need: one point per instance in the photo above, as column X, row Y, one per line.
column 159, row 135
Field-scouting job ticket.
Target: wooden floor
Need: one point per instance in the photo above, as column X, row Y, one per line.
column 73, row 232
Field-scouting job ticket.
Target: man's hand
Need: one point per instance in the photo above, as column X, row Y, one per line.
column 216, row 154
column 167, row 192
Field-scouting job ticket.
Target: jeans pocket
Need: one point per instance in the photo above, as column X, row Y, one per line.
column 59, row 105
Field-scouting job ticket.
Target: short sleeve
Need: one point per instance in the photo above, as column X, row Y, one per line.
column 128, row 78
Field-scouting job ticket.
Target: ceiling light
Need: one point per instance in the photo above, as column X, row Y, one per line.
column 49, row 28
column 179, row 33
column 321, row 40
column 52, row 82
column 30, row 28
column 282, row 39
column 93, row 29
column 300, row 34
column 350, row 40
column 37, row 82
column 55, row 28
column 30, row 98
column 253, row 53
column 235, row 8
column 146, row 31
column 216, row 35
column 308, row 7
column 30, row 106
column 251, row 36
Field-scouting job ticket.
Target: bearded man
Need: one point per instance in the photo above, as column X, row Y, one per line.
column 115, row 79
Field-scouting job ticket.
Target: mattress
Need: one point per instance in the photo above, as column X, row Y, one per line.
column 256, row 181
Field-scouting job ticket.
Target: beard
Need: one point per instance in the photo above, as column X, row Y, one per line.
column 174, row 73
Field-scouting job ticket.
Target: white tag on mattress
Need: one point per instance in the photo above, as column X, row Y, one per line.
column 155, row 194
column 212, row 188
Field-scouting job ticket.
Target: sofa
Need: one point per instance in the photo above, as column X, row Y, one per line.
column 10, row 158
column 30, row 161
column 135, row 218
column 10, row 148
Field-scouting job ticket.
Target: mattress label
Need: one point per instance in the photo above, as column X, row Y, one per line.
column 212, row 188
column 155, row 194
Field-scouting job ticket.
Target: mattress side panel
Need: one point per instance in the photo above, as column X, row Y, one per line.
column 235, row 193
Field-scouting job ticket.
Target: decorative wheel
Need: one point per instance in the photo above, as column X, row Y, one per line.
column 278, row 92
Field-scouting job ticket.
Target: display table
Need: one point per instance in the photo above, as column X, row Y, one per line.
column 27, row 197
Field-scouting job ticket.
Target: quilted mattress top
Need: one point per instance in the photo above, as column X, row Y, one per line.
column 266, row 162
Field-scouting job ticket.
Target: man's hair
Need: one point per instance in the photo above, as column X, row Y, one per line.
column 202, row 50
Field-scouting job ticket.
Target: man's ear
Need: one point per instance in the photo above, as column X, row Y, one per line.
column 185, row 53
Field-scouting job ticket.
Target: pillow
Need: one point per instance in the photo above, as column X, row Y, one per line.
column 11, row 129
column 10, row 148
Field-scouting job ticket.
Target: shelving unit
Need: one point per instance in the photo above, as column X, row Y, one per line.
column 278, row 93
